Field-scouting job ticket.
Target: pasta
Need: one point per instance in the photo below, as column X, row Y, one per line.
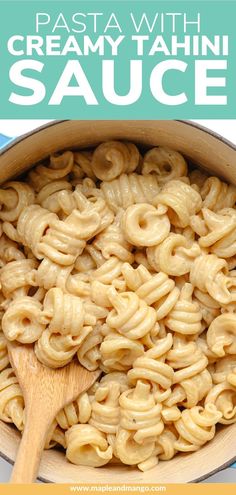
column 105, row 411
column 50, row 274
column 182, row 202
column 113, row 158
column 55, row 350
column 186, row 358
column 11, row 399
column 223, row 396
column 119, row 352
column 125, row 262
column 15, row 277
column 140, row 413
column 223, row 368
column 131, row 316
column 165, row 445
column 217, row 194
column 174, row 256
column 4, row 360
column 78, row 411
column 112, row 241
column 151, row 366
column 58, row 168
column 21, row 320
column 185, row 317
column 51, row 196
column 210, row 275
column 82, row 165
column 196, row 427
column 110, row 270
column 166, row 163
column 140, row 423
column 9, row 250
column 144, row 225
column 221, row 237
column 12, row 408
column 14, row 197
column 221, row 335
column 88, row 446
column 190, row 391
column 209, row 307
column 231, row 378
column 130, row 189
column 89, row 353
column 65, row 313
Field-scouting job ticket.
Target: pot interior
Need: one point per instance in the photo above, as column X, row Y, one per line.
column 200, row 147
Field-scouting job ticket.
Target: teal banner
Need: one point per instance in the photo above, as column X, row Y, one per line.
column 118, row 59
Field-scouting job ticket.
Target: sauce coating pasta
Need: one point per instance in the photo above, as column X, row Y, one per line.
column 127, row 262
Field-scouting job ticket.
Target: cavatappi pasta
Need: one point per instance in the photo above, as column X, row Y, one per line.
column 127, row 262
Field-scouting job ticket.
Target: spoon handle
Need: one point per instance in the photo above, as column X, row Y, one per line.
column 31, row 446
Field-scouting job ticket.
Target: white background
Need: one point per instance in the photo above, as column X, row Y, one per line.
column 226, row 128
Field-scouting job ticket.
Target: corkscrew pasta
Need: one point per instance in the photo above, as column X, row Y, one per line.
column 125, row 261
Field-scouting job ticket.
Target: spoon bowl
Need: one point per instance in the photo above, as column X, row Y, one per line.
column 46, row 391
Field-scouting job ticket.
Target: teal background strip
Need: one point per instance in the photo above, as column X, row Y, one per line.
column 18, row 17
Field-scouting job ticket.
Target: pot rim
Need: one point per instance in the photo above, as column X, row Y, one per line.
column 190, row 123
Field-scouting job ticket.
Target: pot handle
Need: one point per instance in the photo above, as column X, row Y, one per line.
column 4, row 140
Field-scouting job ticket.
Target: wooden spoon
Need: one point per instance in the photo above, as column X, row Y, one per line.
column 46, row 391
